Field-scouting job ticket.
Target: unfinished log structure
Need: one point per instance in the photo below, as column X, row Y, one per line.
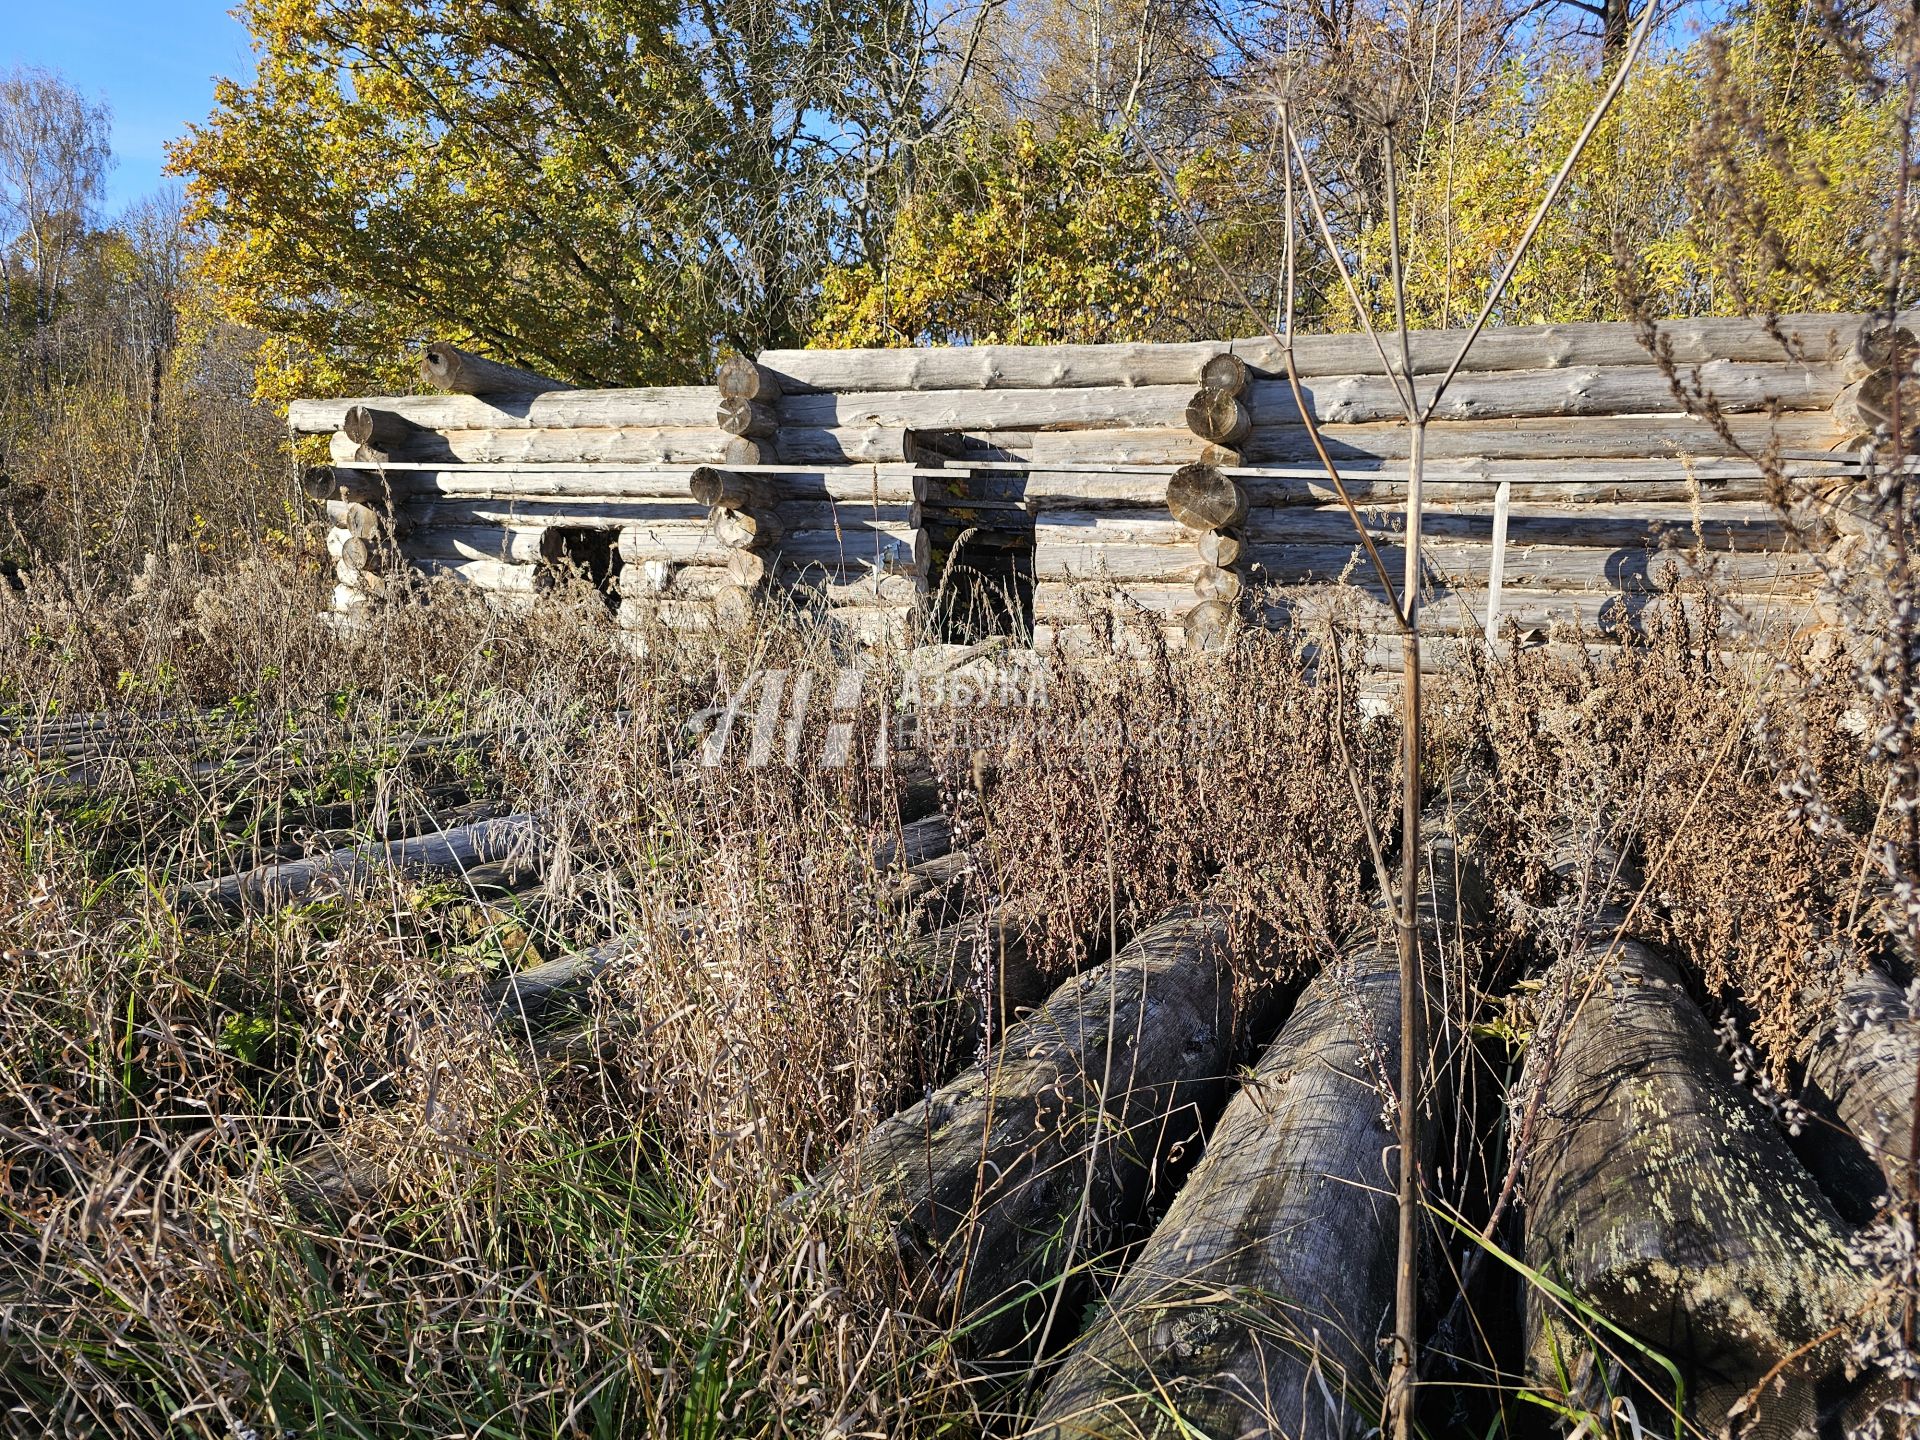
column 1566, row 475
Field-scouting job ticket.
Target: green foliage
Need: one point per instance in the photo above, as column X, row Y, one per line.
column 1035, row 239
column 1741, row 175
column 600, row 192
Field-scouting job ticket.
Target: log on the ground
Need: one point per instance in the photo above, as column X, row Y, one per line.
column 1661, row 1193
column 466, row 373
column 483, row 842
column 1002, row 1180
column 1861, row 1073
column 1257, row 1304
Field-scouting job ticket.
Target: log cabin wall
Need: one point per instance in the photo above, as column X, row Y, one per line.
column 1177, row 483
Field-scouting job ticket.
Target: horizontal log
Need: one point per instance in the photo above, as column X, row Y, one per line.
column 1723, row 526
column 320, row 483
column 1599, row 437
column 727, row 490
column 630, row 445
column 1158, row 446
column 515, row 545
column 740, row 379
column 451, row 368
column 483, row 842
column 870, row 484
column 1083, row 1100
column 684, row 405
column 672, row 580
column 672, row 514
column 1860, row 1076
column 691, row 542
column 1816, row 338
column 873, row 590
column 682, row 617
column 1264, row 1290
column 499, row 576
column 1451, row 564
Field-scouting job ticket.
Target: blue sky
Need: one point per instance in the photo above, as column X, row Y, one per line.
column 153, row 64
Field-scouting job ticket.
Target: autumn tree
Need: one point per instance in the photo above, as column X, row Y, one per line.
column 604, row 192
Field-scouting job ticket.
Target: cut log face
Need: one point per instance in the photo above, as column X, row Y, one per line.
column 747, row 417
column 1201, row 497
column 1224, row 372
column 465, row 373
column 741, row 379
column 1218, row 416
column 1221, row 547
column 1661, row 1193
column 724, row 490
column 1255, row 1305
column 380, row 429
column 1860, row 1086
column 981, row 1183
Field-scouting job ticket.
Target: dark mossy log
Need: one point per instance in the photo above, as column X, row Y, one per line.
column 1861, row 1074
column 1220, row 547
column 379, row 429
column 727, row 490
column 1225, row 372
column 466, row 373
column 1811, row 338
column 320, row 483
column 1218, row 417
column 747, row 529
column 981, row 1185
column 1204, row 497
column 740, row 379
column 1257, row 1305
column 1660, row 1192
column 483, row 842
column 747, row 418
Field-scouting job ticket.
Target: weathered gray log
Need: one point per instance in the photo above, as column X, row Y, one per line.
column 589, row 445
column 1218, row 417
column 669, row 406
column 724, row 490
column 1220, row 547
column 1202, row 497
column 1867, row 407
column 1816, row 338
column 362, row 522
column 747, row 529
column 1214, row 582
column 748, row 450
column 1209, row 625
column 502, row 577
column 466, row 373
column 380, row 429
column 740, row 379
column 678, row 543
column 1256, row 1306
column 1129, row 563
column 655, row 579
column 517, row 545
column 1860, row 1090
column 748, row 418
column 482, row 842
column 982, row 1185
column 1878, row 347
column 320, row 483
column 1661, row 1193
column 1225, row 372
column 1596, row 437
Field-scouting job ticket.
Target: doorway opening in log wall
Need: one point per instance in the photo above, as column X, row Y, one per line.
column 586, row 551
column 978, row 535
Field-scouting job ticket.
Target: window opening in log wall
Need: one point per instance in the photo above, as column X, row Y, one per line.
column 587, row 551
column 979, row 540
